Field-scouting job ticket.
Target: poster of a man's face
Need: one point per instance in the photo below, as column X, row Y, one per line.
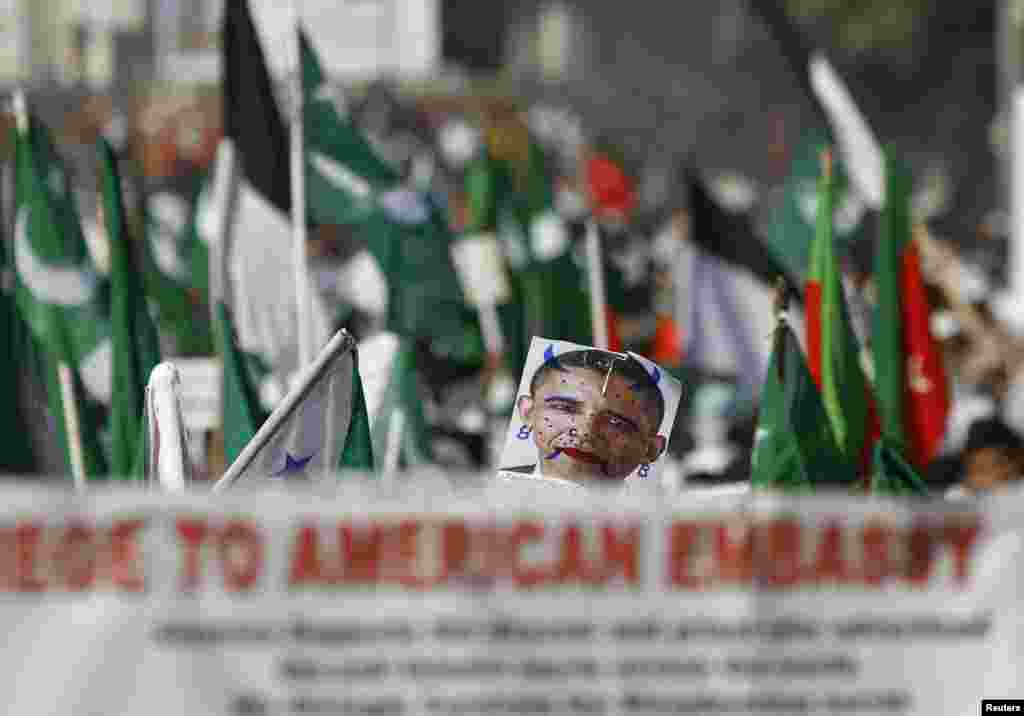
column 589, row 415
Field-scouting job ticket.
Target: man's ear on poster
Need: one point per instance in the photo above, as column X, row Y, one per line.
column 524, row 404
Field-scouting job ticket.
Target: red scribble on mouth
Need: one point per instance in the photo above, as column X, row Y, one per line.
column 583, row 456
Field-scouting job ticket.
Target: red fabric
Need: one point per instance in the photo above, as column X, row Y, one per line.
column 667, row 346
column 874, row 432
column 812, row 328
column 926, row 403
column 611, row 190
column 614, row 338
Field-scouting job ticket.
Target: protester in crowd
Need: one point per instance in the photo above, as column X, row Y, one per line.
column 993, row 457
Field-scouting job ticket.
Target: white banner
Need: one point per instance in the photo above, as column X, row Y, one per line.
column 505, row 601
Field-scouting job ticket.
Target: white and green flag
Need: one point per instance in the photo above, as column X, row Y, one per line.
column 405, row 232
column 58, row 290
column 320, row 427
column 261, row 264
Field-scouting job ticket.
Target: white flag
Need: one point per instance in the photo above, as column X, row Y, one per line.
column 260, row 272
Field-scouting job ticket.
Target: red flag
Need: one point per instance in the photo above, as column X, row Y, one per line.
column 910, row 378
column 926, row 388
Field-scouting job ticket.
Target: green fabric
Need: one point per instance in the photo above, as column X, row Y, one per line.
column 241, row 412
column 403, row 393
column 549, row 296
column 558, row 285
column 329, row 133
column 135, row 340
column 887, row 329
column 140, row 462
column 487, row 184
column 332, row 133
column 424, row 296
column 190, row 326
column 792, row 224
column 563, row 309
column 539, row 192
column 844, row 388
column 195, row 249
column 358, row 451
column 794, row 449
column 73, row 326
column 411, row 248
column 327, row 205
column 17, row 457
column 90, row 415
column 893, row 475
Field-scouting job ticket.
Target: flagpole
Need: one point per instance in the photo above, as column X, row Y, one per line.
column 72, row 423
column 595, row 279
column 396, row 433
column 298, row 171
column 308, row 376
column 223, row 195
column 490, row 329
column 167, row 462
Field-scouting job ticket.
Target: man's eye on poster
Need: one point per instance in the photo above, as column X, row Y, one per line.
column 589, row 416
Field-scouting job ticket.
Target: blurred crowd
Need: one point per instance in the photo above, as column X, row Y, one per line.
column 168, row 146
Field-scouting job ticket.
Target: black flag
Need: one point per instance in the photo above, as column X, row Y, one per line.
column 251, row 116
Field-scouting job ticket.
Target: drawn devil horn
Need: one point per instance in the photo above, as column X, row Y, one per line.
column 549, row 353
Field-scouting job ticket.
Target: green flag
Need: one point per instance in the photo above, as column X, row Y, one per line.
column 794, row 448
column 887, row 328
column 358, row 451
column 833, row 349
column 58, row 292
column 910, row 376
column 177, row 268
column 490, row 207
column 792, row 224
column 400, row 407
column 136, row 343
column 321, row 426
column 893, row 475
column 558, row 303
column 17, row 457
column 241, row 413
column 404, row 230
column 336, row 151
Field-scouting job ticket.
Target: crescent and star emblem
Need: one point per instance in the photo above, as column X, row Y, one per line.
column 916, row 378
column 60, row 285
